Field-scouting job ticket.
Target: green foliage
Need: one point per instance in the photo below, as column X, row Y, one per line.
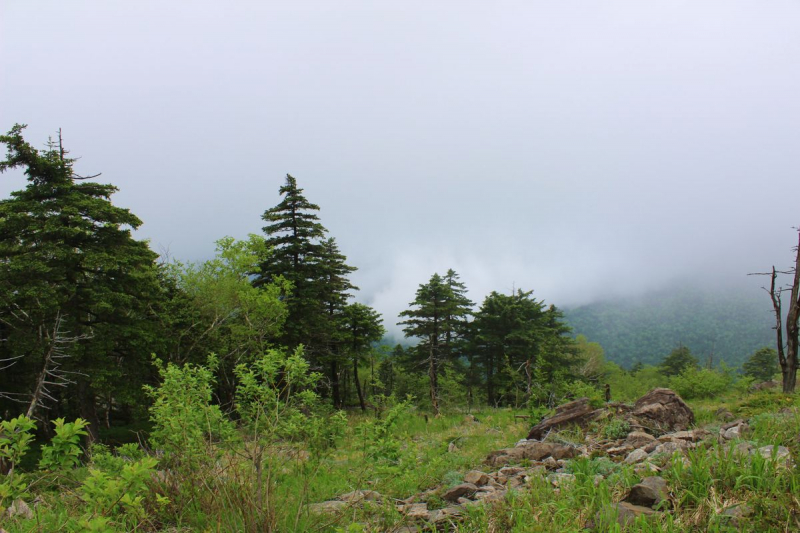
column 70, row 271
column 694, row 383
column 581, row 389
column 727, row 323
column 185, row 422
column 119, row 493
column 15, row 439
column 64, row 450
column 762, row 365
column 677, row 361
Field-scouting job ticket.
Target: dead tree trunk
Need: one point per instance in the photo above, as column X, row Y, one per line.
column 787, row 353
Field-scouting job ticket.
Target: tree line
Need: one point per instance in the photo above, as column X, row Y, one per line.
column 84, row 307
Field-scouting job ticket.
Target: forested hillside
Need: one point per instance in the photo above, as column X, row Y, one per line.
column 728, row 325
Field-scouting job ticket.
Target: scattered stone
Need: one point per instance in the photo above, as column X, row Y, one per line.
column 724, row 415
column 560, row 480
column 627, row 512
column 646, row 468
column 764, row 385
column 735, row 514
column 470, row 419
column 415, row 511
column 360, row 495
column 619, row 450
column 493, row 496
column 782, row 454
column 649, row 493
column 637, row 439
column 452, row 447
column 575, row 412
column 598, row 479
column 744, row 448
column 465, row 489
column 476, row 477
column 733, row 430
column 636, row 456
column 550, row 463
column 669, row 448
column 531, row 450
column 330, row 507
column 448, row 514
column 664, row 409
column 19, row 508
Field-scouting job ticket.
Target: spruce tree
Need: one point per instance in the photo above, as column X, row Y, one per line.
column 361, row 327
column 437, row 318
column 73, row 282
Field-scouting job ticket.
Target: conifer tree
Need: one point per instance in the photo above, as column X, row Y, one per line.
column 69, row 266
column 361, row 327
column 437, row 317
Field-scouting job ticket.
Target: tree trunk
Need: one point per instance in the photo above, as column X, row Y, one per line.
column 337, row 397
column 358, row 385
column 434, row 379
column 88, row 410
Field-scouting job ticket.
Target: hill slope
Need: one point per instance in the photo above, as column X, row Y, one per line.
column 728, row 325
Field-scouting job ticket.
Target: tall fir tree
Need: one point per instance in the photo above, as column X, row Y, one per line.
column 318, row 274
column 437, row 318
column 75, row 287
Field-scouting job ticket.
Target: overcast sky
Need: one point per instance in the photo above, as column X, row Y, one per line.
column 580, row 149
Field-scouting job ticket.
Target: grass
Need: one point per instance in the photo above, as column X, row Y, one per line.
column 415, row 456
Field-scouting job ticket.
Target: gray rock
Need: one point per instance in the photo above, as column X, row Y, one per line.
column 415, row 511
column 669, row 448
column 724, row 415
column 465, row 489
column 360, row 495
column 19, row 508
column 664, row 409
column 638, row 439
column 446, row 515
column 651, row 492
column 330, row 507
column 476, row 477
column 736, row 514
column 636, row 456
column 623, row 512
column 782, row 454
column 560, row 480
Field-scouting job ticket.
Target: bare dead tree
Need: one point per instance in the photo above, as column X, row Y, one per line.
column 787, row 350
column 57, row 343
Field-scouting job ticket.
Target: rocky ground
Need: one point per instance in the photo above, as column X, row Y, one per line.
column 658, row 427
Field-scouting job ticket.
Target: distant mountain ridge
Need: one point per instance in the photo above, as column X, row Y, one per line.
column 725, row 325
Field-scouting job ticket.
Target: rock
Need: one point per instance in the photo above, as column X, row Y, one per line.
column 465, row 489
column 649, row 493
column 360, row 495
column 531, row 450
column 636, row 456
column 764, row 385
column 597, row 480
column 560, row 480
column 470, row 419
column 723, row 415
column 733, row 430
column 626, row 512
column 575, row 412
column 619, row 450
column 415, row 511
column 686, row 436
column 736, row 513
column 452, row 447
column 493, row 496
column 638, row 439
column 19, row 509
column 330, row 507
column 476, row 477
column 744, row 448
column 646, row 468
column 669, row 448
column 550, row 463
column 663, row 409
column 446, row 515
column 782, row 454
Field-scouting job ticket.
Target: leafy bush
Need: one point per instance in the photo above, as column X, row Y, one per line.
column 64, row 450
column 693, row 383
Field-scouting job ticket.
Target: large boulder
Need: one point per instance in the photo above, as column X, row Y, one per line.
column 664, row 410
column 532, row 451
column 576, row 412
